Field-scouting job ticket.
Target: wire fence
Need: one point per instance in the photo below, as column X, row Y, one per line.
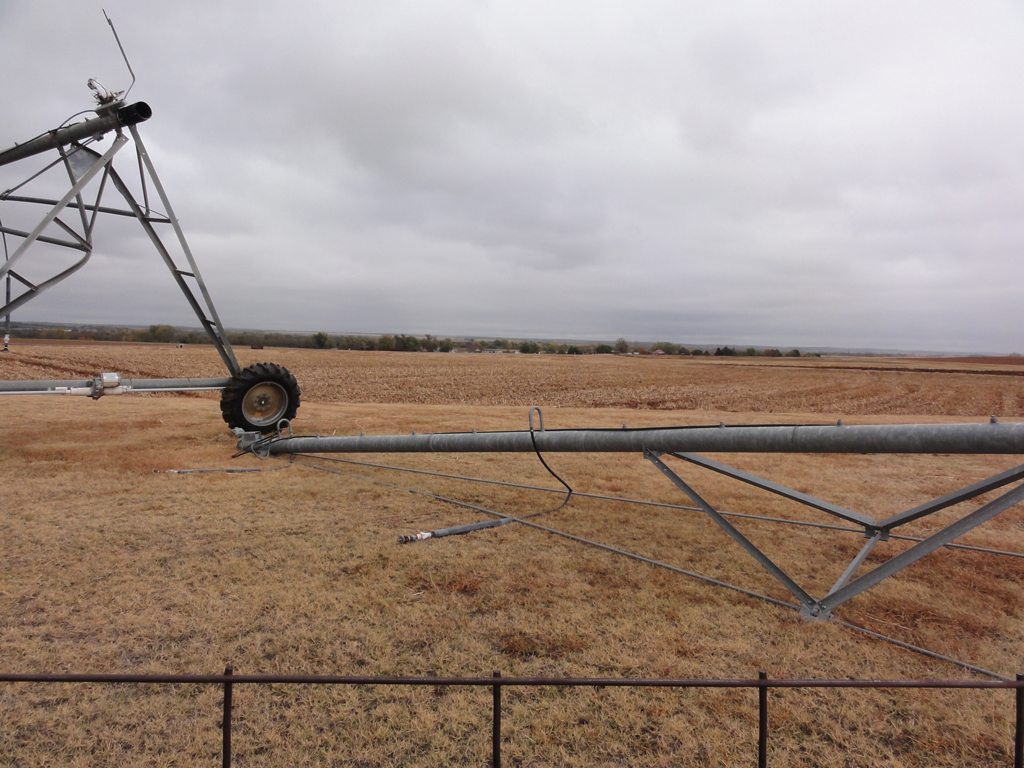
column 496, row 683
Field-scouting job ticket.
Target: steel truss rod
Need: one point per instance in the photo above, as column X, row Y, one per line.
column 929, row 545
column 99, row 163
column 775, row 488
column 955, row 497
column 989, row 438
column 94, row 208
column 844, row 589
column 74, row 244
column 875, row 531
column 809, row 603
column 212, row 324
column 856, row 563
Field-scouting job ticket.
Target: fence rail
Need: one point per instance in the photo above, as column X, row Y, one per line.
column 497, row 682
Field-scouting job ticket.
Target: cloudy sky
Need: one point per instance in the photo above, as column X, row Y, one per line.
column 783, row 173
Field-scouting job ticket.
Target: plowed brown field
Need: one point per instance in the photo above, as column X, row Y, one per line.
column 867, row 386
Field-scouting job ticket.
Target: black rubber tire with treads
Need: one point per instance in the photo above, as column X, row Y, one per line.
column 259, row 397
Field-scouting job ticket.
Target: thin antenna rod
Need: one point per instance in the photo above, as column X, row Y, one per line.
column 7, row 322
column 123, row 54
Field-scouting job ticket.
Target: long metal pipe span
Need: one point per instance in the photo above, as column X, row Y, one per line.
column 89, row 386
column 988, row 438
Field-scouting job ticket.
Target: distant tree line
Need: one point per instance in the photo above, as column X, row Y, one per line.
column 168, row 334
column 623, row 347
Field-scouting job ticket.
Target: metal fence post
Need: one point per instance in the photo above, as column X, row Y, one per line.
column 1018, row 739
column 496, row 724
column 226, row 722
column 762, row 721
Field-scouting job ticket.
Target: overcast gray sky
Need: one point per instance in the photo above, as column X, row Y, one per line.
column 783, row 173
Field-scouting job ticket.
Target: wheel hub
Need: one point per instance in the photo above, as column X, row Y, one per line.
column 265, row 403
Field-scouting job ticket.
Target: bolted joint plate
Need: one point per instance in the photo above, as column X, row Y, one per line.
column 246, row 439
column 815, row 613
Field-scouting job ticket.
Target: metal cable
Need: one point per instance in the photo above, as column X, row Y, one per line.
column 34, row 176
column 924, row 651
column 643, row 502
column 556, row 532
column 68, row 120
column 536, row 450
column 228, row 471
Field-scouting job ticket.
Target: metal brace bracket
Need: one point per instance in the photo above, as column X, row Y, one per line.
column 103, row 382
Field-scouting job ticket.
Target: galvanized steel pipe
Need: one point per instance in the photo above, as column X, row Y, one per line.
column 988, row 438
column 94, row 127
column 127, row 385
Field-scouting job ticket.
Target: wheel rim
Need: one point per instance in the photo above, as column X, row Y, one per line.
column 265, row 404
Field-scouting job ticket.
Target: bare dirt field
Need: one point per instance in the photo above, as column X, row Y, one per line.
column 110, row 563
column 869, row 386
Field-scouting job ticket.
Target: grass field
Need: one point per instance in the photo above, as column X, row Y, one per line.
column 112, row 564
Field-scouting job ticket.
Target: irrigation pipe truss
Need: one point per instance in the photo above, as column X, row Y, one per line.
column 505, row 519
column 681, row 443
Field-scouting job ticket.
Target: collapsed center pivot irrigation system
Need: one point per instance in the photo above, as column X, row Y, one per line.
column 254, row 398
column 686, row 443
column 260, row 399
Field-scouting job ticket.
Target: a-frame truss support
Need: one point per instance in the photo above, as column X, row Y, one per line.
column 83, row 165
column 847, row 586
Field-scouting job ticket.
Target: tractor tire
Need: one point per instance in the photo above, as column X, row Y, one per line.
column 259, row 397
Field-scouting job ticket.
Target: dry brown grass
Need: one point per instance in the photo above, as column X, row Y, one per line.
column 108, row 566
